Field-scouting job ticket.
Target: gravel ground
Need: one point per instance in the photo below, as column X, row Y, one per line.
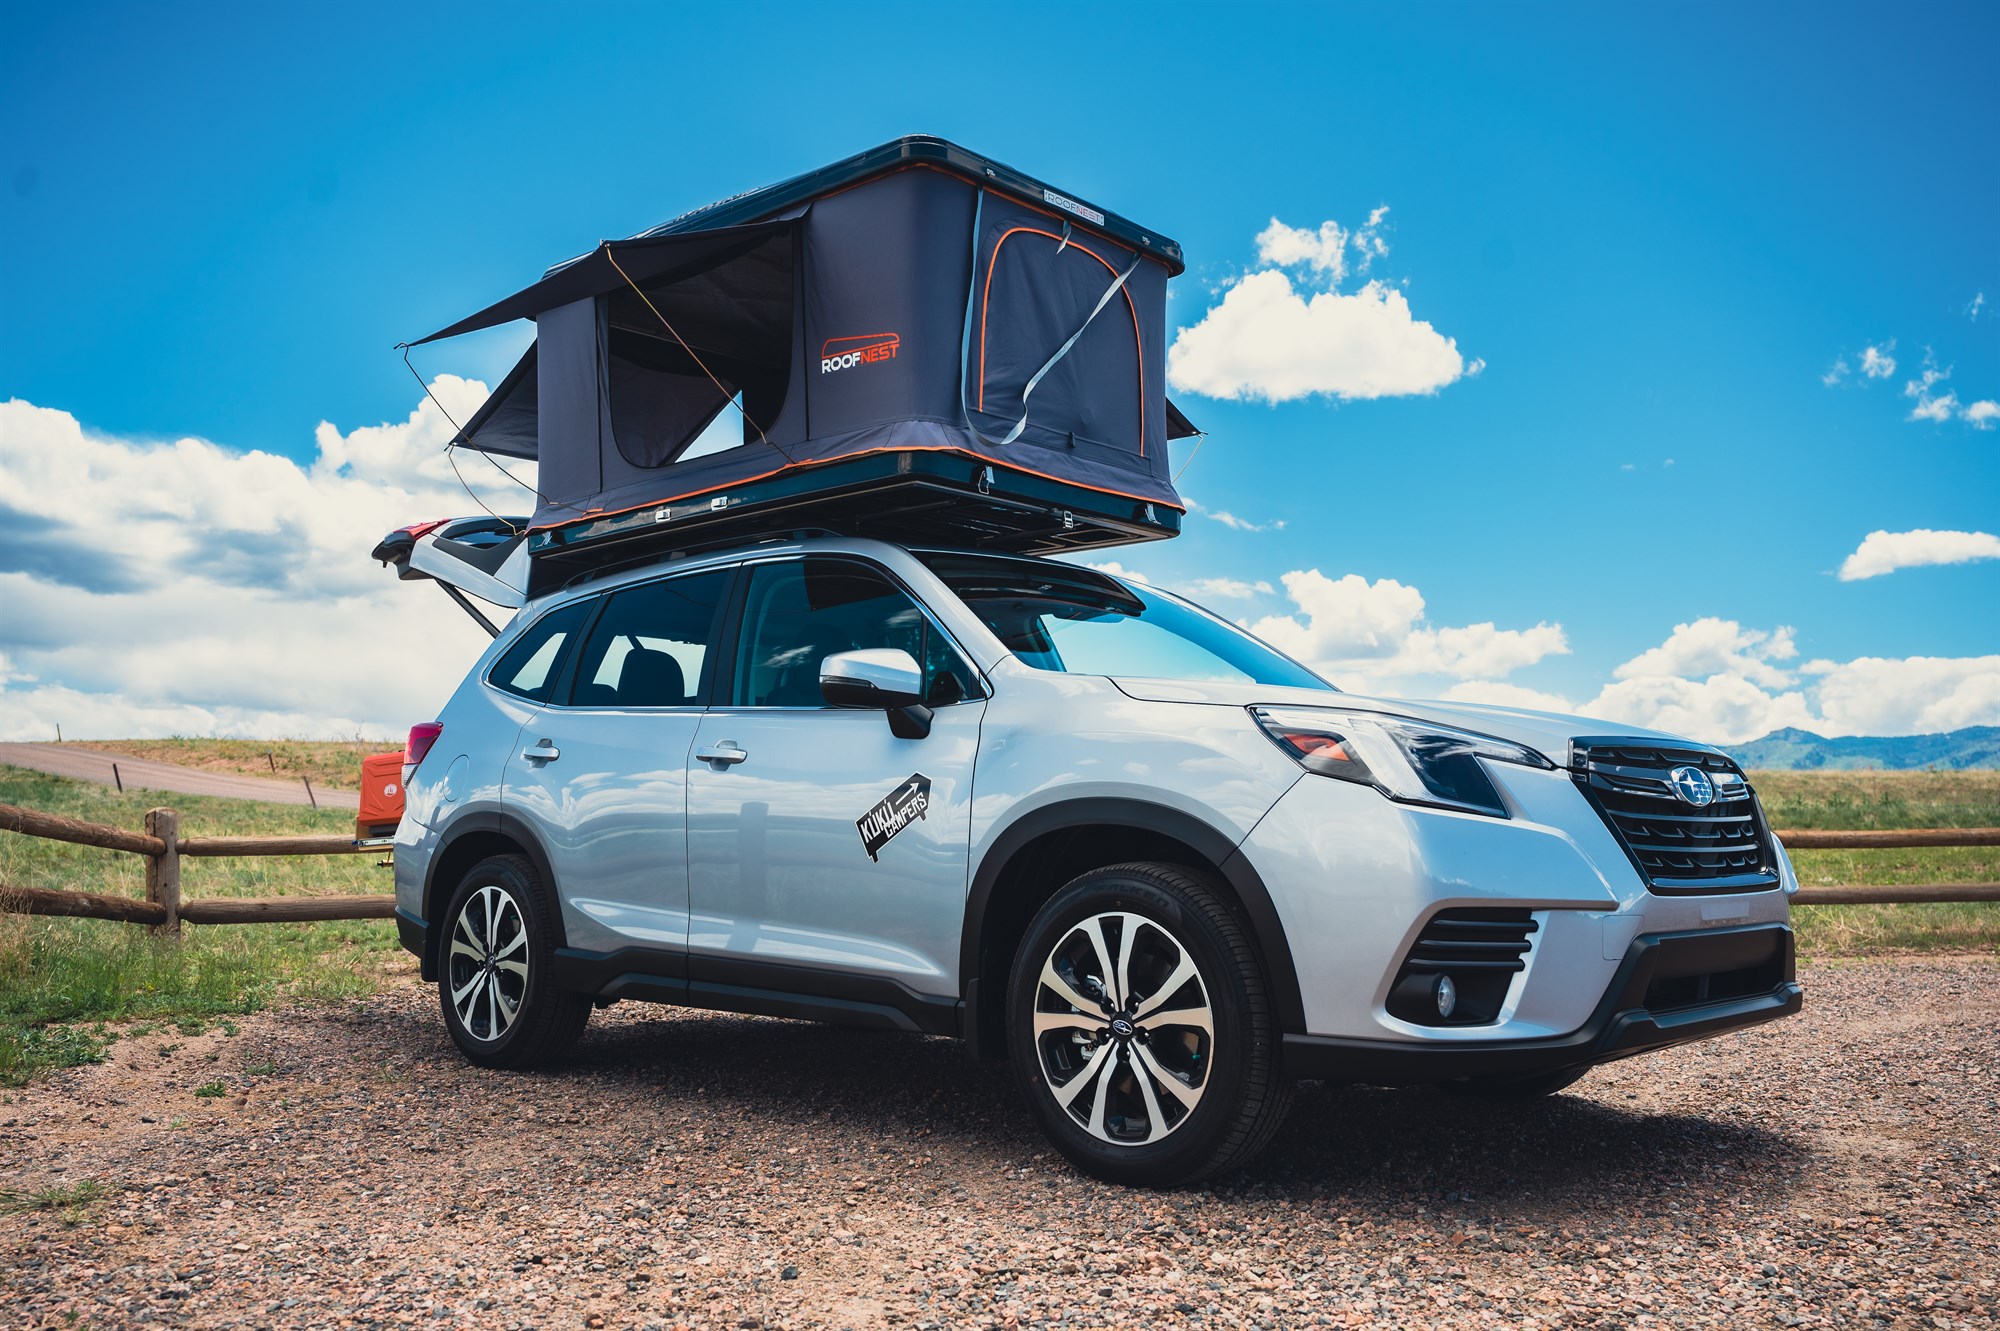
column 1839, row 1169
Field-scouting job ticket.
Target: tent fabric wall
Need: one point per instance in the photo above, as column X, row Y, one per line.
column 907, row 311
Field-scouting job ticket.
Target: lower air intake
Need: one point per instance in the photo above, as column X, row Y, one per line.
column 1479, row 949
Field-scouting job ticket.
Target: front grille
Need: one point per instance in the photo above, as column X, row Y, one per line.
column 1480, row 947
column 1679, row 847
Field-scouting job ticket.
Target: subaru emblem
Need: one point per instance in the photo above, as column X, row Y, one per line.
column 1693, row 786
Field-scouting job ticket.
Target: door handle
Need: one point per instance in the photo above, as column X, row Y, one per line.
column 723, row 755
column 541, row 752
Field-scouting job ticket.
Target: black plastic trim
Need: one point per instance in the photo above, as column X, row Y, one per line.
column 413, row 932
column 1216, row 846
column 479, row 820
column 771, row 989
column 1619, row 1028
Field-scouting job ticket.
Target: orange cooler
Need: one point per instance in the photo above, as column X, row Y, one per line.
column 381, row 795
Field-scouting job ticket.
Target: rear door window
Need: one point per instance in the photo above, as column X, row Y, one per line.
column 650, row 647
column 531, row 667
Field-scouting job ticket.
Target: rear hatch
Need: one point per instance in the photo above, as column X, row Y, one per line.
column 486, row 557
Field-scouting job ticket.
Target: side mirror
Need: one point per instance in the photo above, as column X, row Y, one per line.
column 879, row 679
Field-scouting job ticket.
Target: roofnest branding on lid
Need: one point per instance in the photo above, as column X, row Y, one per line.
column 845, row 353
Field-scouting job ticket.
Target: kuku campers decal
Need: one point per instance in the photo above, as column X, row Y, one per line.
column 844, row 353
column 903, row 806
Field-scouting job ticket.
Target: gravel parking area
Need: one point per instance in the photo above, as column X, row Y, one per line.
column 1840, row 1169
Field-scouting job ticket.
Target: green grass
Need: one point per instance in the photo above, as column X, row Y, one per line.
column 73, row 1202
column 1870, row 800
column 61, row 980
column 1887, row 800
column 329, row 764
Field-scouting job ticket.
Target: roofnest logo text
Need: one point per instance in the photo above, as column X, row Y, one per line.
column 845, row 353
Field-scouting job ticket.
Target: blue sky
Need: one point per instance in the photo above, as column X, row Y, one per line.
column 1660, row 228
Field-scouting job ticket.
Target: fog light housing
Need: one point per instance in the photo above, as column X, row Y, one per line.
column 1446, row 994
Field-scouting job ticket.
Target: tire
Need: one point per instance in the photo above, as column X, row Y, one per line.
column 1532, row 1087
column 1124, row 1097
column 508, row 1014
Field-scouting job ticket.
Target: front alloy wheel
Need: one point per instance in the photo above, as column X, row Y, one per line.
column 1142, row 1028
column 1123, row 1028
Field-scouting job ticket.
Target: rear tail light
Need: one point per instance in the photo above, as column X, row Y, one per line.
column 421, row 738
column 418, row 529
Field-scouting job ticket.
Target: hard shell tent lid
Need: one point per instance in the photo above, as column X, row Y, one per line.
column 914, row 299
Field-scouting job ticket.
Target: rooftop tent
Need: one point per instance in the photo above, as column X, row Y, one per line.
column 915, row 303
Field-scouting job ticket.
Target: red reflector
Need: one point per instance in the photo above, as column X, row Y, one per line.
column 422, row 736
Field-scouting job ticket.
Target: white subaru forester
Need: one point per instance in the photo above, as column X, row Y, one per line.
column 1077, row 822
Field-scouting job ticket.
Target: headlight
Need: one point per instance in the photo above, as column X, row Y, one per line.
column 1417, row 762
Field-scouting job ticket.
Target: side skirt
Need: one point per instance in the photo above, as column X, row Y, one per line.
column 760, row 988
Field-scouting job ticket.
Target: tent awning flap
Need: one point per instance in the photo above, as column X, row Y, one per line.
column 597, row 273
column 508, row 421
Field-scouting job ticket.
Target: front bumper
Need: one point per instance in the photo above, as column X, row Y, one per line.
column 1671, row 988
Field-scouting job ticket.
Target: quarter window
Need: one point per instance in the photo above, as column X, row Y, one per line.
column 802, row 611
column 531, row 667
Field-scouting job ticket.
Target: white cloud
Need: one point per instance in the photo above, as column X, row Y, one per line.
column 1716, row 681
column 1268, row 341
column 1273, row 341
column 1234, row 523
column 1232, row 589
column 1974, row 306
column 1112, row 568
column 1935, row 409
column 1712, row 647
column 1836, row 372
column 1930, row 407
column 1916, row 695
column 1877, row 363
column 1981, row 415
column 1373, row 634
column 1324, row 250
column 1883, row 552
column 1723, row 709
column 183, row 587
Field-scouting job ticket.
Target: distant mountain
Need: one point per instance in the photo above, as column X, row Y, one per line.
column 1801, row 750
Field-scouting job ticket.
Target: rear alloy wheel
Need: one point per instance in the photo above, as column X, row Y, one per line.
column 1142, row 1030
column 496, row 985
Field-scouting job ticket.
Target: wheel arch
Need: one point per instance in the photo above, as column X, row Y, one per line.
column 1048, row 847
column 475, row 836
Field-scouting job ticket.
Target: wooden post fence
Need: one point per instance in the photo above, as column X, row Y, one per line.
column 162, row 846
column 163, row 871
column 164, row 911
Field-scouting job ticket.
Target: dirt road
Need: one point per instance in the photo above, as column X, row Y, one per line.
column 141, row 774
column 1840, row 1169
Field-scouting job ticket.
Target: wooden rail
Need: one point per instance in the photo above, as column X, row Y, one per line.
column 1902, row 838
column 162, row 846
column 164, row 911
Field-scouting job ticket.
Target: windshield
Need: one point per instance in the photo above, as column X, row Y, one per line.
column 1081, row 622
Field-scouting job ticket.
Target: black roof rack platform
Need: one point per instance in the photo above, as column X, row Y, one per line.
column 908, row 496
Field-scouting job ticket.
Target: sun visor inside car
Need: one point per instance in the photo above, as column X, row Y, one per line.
column 915, row 299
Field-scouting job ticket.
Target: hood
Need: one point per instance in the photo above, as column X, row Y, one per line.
column 1547, row 732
